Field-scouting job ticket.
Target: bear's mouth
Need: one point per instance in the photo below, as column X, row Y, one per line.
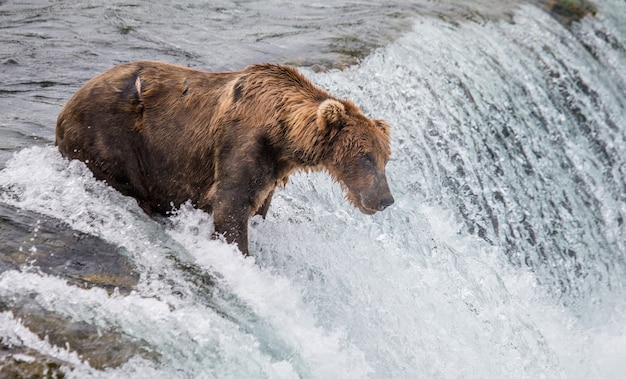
column 358, row 202
column 365, row 209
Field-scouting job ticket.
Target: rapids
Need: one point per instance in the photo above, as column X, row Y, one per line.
column 504, row 255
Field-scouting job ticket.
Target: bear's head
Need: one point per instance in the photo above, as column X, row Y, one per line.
column 358, row 153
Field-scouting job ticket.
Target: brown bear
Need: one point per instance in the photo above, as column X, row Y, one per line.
column 165, row 134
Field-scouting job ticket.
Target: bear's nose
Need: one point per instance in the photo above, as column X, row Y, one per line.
column 385, row 202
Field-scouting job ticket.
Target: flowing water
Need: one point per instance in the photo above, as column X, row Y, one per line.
column 504, row 255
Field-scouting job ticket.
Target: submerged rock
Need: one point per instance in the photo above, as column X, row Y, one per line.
column 42, row 244
column 100, row 348
column 22, row 362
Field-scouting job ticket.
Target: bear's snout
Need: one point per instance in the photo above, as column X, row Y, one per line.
column 385, row 202
column 370, row 202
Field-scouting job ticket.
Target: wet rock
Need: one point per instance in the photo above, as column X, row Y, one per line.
column 568, row 11
column 33, row 240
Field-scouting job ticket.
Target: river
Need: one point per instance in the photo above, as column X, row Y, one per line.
column 503, row 256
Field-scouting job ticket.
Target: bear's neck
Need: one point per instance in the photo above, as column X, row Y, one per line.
column 308, row 144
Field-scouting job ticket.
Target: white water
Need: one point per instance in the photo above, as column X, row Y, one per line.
column 508, row 154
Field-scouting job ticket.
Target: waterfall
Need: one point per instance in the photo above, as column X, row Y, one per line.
column 503, row 256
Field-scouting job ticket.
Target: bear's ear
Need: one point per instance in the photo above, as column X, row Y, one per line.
column 330, row 113
column 382, row 125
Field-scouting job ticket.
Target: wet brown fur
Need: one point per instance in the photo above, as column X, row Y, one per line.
column 165, row 134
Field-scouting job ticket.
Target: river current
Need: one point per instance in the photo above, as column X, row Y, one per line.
column 504, row 255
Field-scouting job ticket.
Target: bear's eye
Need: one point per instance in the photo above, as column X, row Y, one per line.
column 368, row 159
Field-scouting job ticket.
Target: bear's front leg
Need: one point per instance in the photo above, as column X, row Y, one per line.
column 244, row 186
column 230, row 218
column 262, row 211
column 235, row 202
